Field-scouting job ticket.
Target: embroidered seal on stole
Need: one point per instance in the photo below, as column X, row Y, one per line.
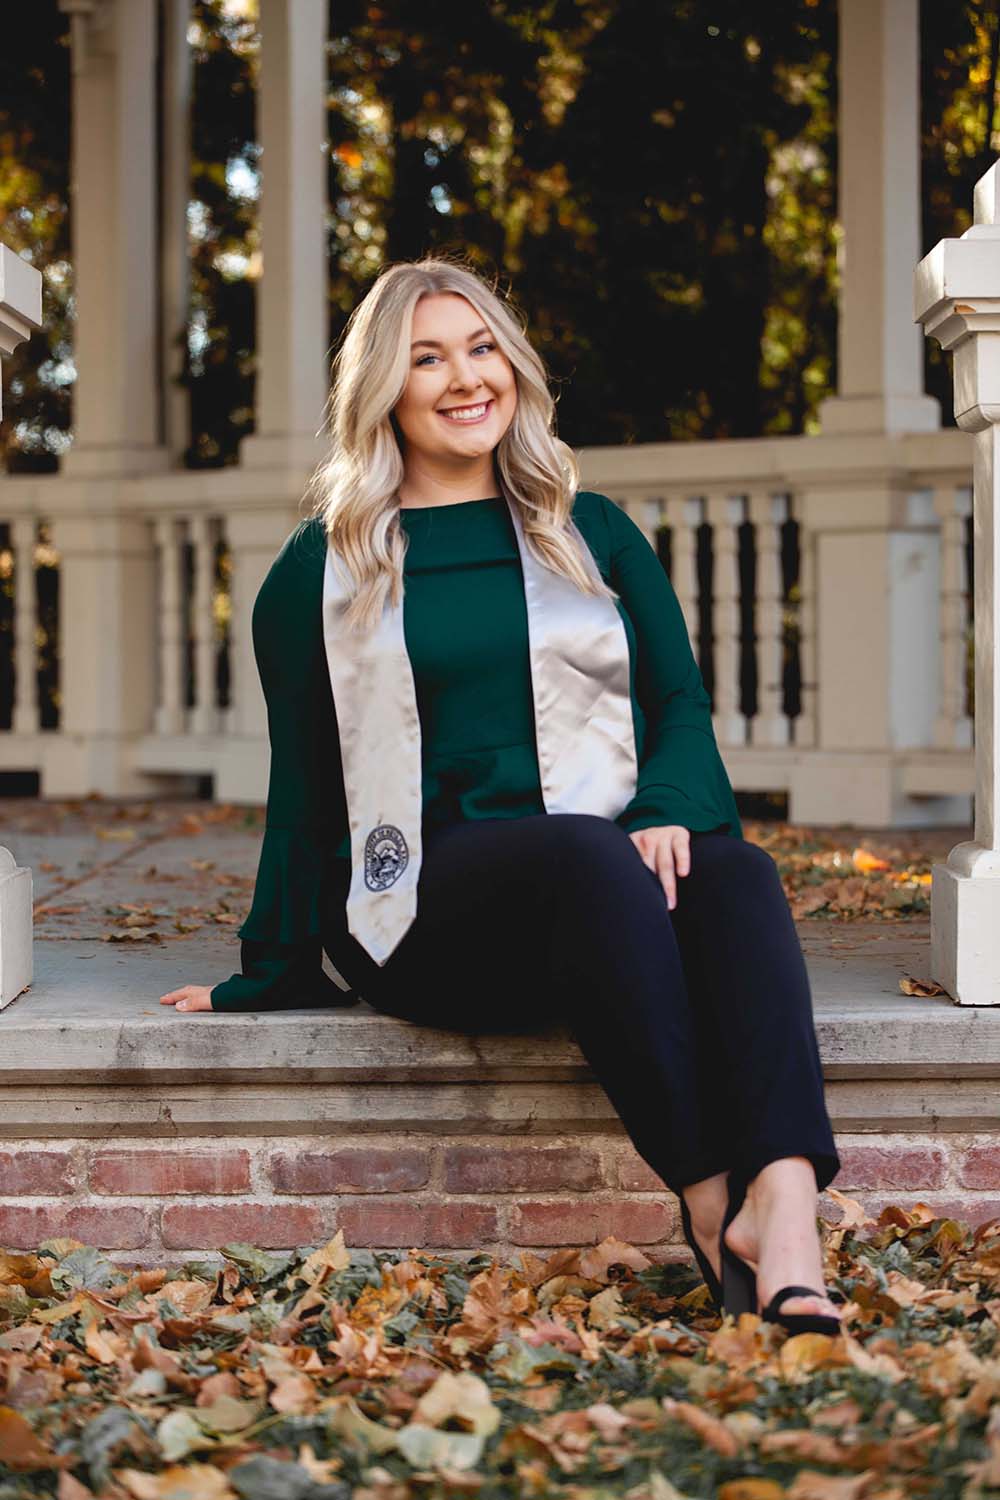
column 386, row 857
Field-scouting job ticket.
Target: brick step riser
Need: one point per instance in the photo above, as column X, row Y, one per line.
column 164, row 1199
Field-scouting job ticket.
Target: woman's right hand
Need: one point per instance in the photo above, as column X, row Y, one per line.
column 189, row 997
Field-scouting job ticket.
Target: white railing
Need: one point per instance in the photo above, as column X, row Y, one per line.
column 793, row 492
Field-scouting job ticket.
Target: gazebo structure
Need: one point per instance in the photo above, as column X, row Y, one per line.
column 882, row 500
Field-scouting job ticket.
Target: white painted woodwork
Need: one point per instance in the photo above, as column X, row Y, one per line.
column 957, row 299
column 292, row 307
column 880, row 359
column 117, row 420
column 20, row 313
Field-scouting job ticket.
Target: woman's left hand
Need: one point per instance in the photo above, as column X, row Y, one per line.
column 667, row 852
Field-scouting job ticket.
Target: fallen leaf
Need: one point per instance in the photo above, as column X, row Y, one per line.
column 597, row 1261
column 711, row 1431
column 922, row 987
column 20, row 1446
column 463, row 1398
column 180, row 1482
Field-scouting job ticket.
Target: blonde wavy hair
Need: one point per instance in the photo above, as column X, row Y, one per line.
column 356, row 488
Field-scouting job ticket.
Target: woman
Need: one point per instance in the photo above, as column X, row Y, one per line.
column 534, row 753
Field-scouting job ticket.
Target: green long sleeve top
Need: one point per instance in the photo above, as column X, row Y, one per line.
column 466, row 629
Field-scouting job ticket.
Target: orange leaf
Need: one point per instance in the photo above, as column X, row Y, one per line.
column 20, row 1447
column 865, row 860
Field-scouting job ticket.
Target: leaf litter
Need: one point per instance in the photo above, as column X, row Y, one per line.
column 337, row 1374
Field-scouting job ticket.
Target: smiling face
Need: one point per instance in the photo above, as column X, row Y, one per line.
column 460, row 393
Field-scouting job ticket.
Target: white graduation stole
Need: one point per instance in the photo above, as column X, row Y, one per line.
column 584, row 730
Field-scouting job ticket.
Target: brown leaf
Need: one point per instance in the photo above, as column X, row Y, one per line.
column 293, row 1393
column 711, row 1431
column 751, row 1489
column 189, row 1297
column 606, row 1309
column 802, row 1442
column 24, row 1339
column 805, row 1352
column 596, row 1261
column 333, row 1256
column 610, row 1423
column 104, row 1347
column 843, row 1413
column 736, row 1346
column 71, row 1489
column 854, row 1214
column 223, row 1384
column 179, row 1482
column 17, row 1270
column 20, row 1446
column 922, row 987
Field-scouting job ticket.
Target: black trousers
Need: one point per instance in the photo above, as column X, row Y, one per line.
column 697, row 1022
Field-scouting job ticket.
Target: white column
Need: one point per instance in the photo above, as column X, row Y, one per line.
column 175, row 257
column 20, row 312
column 292, row 305
column 117, row 423
column 957, row 299
column 880, row 384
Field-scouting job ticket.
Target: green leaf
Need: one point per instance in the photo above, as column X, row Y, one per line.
column 263, row 1265
column 84, row 1268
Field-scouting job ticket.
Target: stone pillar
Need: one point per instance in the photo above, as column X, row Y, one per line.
column 880, row 361
column 292, row 306
column 20, row 312
column 957, row 299
column 117, row 420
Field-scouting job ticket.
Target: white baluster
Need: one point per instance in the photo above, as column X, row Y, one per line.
column 26, row 718
column 726, row 513
column 804, row 724
column 953, row 726
column 684, row 516
column 204, row 714
column 770, row 725
column 647, row 515
column 169, row 717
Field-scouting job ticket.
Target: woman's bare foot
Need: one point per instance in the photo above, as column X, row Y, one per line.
column 706, row 1201
column 775, row 1232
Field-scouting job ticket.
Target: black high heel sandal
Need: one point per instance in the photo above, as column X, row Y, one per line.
column 800, row 1322
column 739, row 1281
column 704, row 1264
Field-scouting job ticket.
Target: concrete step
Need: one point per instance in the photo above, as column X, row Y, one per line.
column 89, row 1048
